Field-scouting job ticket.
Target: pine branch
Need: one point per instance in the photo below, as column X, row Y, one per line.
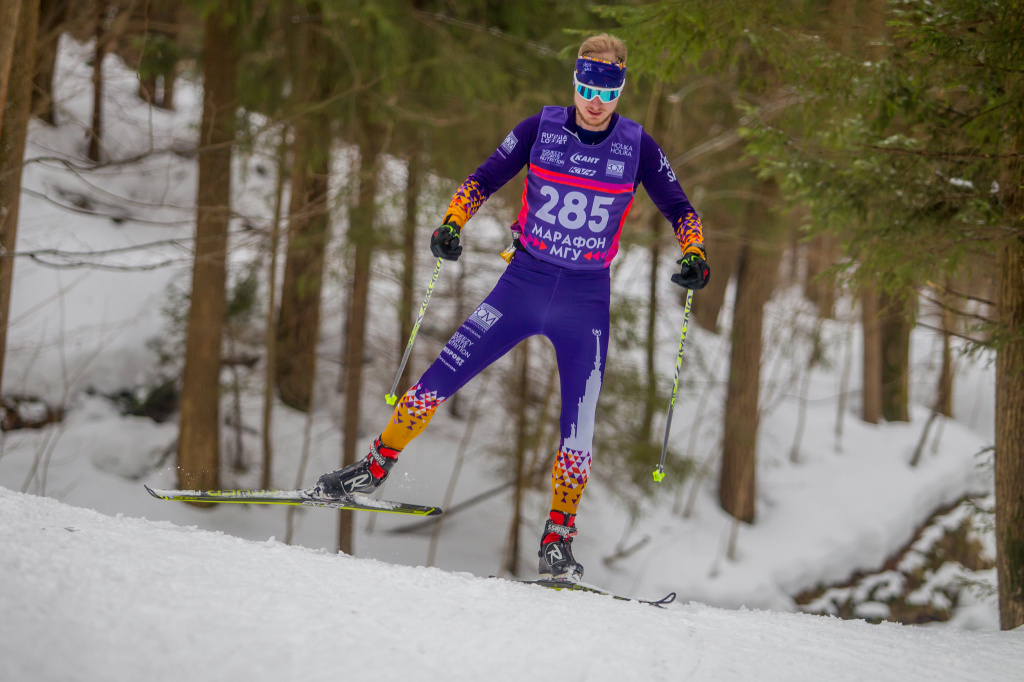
column 940, row 155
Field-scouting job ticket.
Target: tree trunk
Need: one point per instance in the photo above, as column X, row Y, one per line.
column 1009, row 454
column 897, row 320
column 298, row 327
column 270, row 337
column 654, row 224
column 96, row 129
column 361, row 240
column 52, row 14
column 167, row 97
column 872, row 377
column 754, row 281
column 13, row 136
column 651, row 398
column 820, row 287
column 521, row 402
column 10, row 14
column 198, row 444
column 949, row 319
column 722, row 254
column 407, row 307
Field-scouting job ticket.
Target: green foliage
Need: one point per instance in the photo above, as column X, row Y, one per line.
column 902, row 152
column 621, row 409
column 158, row 54
column 666, row 38
column 892, row 133
column 243, row 301
column 623, row 394
column 158, row 399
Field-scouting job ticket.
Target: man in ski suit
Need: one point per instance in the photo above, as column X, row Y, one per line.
column 585, row 165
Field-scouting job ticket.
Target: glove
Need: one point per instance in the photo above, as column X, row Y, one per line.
column 444, row 243
column 694, row 272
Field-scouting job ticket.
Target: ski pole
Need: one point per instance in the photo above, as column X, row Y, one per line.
column 659, row 473
column 391, row 398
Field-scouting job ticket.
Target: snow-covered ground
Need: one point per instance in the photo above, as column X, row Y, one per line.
column 92, row 597
column 845, row 505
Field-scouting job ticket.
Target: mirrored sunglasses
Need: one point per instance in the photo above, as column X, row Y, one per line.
column 589, row 92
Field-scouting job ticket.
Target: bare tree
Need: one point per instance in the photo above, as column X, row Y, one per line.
column 198, row 444
column 754, row 282
column 949, row 316
column 1009, row 452
column 13, row 137
column 361, row 241
column 897, row 321
column 723, row 248
column 99, row 52
column 157, row 25
column 298, row 325
column 270, row 337
column 520, row 397
column 871, row 406
column 52, row 15
column 10, row 13
column 407, row 309
column 820, row 285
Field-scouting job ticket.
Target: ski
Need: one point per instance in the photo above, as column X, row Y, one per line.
column 294, row 497
column 553, row 584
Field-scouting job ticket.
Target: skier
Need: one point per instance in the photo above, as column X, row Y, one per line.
column 585, row 164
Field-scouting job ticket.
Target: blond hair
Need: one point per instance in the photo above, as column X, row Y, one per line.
column 601, row 43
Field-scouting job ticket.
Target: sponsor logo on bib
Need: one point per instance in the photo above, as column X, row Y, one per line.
column 553, row 157
column 620, row 149
column 583, row 158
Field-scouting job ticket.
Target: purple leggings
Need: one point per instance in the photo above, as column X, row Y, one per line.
column 570, row 308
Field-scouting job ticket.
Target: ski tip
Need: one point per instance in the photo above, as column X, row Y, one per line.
column 150, row 491
column 667, row 599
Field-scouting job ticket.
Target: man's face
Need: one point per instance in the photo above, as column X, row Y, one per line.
column 595, row 114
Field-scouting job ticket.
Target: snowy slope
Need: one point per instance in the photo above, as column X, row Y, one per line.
column 837, row 511
column 91, row 597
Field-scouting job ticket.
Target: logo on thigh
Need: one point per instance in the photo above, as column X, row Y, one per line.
column 485, row 316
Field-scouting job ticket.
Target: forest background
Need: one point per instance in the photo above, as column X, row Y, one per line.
column 869, row 153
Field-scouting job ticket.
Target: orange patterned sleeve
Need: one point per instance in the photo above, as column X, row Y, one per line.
column 466, row 202
column 690, row 234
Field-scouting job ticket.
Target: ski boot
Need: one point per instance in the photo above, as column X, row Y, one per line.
column 363, row 477
column 555, row 553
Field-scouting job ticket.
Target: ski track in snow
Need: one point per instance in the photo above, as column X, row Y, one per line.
column 91, row 597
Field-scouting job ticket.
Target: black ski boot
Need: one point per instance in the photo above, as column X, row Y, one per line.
column 555, row 553
column 362, row 477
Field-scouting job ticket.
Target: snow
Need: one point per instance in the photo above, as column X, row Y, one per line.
column 88, row 596
column 85, row 580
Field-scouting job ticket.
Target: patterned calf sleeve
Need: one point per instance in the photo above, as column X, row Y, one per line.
column 411, row 416
column 568, row 479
